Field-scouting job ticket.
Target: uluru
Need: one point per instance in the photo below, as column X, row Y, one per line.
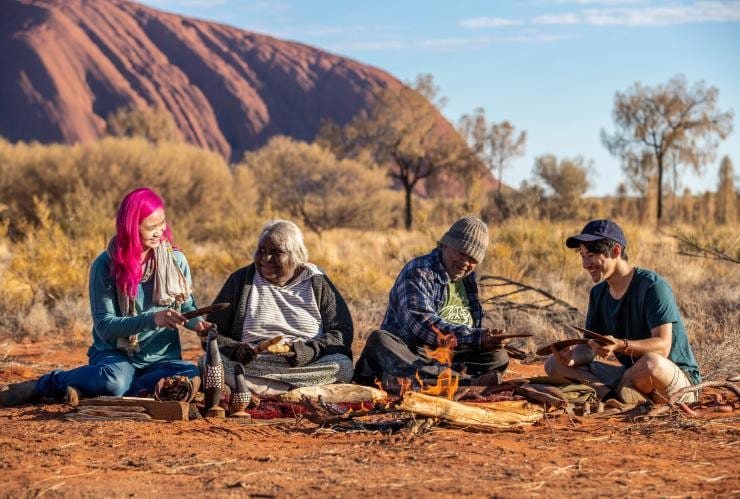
column 66, row 65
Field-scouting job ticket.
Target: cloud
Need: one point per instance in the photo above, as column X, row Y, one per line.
column 698, row 12
column 489, row 22
column 569, row 18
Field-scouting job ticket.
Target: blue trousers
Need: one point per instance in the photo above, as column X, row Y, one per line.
column 111, row 373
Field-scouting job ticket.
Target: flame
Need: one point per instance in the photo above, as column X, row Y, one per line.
column 404, row 385
column 379, row 384
column 448, row 380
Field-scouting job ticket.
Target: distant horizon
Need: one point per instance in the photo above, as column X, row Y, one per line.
column 550, row 67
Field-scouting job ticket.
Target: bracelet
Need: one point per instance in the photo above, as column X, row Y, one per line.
column 626, row 345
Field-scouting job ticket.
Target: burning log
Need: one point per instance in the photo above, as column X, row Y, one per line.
column 468, row 415
column 335, row 394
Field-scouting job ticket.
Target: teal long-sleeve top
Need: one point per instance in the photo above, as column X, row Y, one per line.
column 155, row 343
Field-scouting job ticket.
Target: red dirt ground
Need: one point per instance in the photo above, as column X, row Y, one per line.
column 44, row 454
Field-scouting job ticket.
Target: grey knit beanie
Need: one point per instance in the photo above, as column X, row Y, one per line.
column 468, row 235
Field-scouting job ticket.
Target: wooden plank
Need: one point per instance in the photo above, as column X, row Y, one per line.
column 109, row 415
column 170, row 410
column 113, row 408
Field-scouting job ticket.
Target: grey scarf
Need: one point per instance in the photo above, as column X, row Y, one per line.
column 170, row 287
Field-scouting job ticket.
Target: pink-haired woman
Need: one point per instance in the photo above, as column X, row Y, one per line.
column 139, row 288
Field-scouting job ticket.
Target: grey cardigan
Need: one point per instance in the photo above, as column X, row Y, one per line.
column 336, row 320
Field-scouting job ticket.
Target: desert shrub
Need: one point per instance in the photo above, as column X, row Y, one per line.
column 154, row 124
column 526, row 202
column 311, row 184
column 566, row 181
column 48, row 266
column 196, row 185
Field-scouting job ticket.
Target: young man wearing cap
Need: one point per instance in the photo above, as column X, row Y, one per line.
column 635, row 308
column 434, row 302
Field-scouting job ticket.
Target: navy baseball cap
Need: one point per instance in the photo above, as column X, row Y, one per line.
column 595, row 230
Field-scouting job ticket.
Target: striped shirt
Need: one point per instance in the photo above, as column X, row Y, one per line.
column 290, row 311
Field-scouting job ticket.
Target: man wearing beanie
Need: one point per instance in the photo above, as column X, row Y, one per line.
column 635, row 308
column 434, row 302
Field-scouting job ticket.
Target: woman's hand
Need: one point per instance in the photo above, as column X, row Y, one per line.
column 169, row 318
column 244, row 354
column 202, row 327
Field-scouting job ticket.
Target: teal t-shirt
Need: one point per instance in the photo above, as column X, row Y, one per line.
column 647, row 303
column 456, row 308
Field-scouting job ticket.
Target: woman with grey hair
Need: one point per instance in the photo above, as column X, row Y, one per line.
column 282, row 295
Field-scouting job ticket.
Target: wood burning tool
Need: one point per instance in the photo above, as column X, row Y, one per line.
column 205, row 310
column 599, row 338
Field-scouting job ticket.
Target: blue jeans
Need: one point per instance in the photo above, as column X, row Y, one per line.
column 111, row 373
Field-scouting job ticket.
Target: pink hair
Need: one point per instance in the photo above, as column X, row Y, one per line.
column 126, row 253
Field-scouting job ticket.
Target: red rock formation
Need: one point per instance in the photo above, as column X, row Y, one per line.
column 66, row 64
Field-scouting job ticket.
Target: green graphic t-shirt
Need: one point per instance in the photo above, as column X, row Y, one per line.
column 456, row 308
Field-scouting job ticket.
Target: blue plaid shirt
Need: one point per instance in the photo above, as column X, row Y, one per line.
column 417, row 297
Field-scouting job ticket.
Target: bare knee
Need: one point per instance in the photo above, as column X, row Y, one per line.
column 651, row 372
column 653, row 364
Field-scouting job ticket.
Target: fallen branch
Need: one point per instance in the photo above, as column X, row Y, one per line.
column 690, row 246
column 335, row 394
column 467, row 415
column 528, row 298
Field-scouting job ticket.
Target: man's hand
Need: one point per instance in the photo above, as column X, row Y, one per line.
column 491, row 340
column 574, row 355
column 564, row 356
column 169, row 318
column 605, row 351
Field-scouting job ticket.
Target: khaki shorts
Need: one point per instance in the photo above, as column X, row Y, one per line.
column 681, row 380
column 611, row 375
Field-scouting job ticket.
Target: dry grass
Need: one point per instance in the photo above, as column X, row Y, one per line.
column 45, row 289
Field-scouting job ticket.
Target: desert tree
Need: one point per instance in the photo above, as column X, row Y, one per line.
column 154, row 124
column 496, row 144
column 310, row 183
column 725, row 211
column 566, row 181
column 664, row 120
column 405, row 131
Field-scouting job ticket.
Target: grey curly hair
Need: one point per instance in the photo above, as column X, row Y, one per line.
column 288, row 236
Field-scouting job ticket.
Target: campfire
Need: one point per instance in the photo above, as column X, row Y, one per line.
column 447, row 381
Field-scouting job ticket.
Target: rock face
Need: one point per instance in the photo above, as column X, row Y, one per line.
column 65, row 65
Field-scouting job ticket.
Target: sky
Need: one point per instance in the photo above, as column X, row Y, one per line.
column 550, row 67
